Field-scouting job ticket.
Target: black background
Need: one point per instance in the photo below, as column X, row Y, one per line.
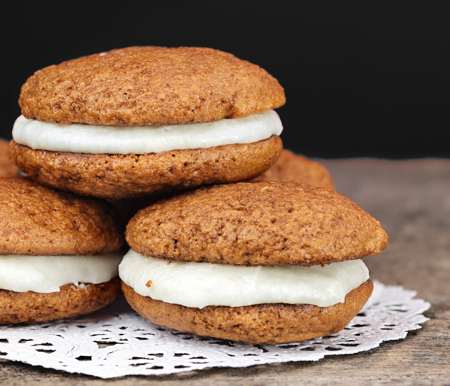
column 366, row 79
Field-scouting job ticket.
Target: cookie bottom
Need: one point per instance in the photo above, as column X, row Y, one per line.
column 258, row 324
column 70, row 301
column 114, row 176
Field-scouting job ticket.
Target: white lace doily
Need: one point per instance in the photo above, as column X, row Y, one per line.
column 116, row 342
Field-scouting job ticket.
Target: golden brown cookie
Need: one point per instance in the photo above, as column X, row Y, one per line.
column 35, row 220
column 7, row 166
column 296, row 168
column 70, row 301
column 258, row 324
column 149, row 85
column 122, row 176
column 260, row 223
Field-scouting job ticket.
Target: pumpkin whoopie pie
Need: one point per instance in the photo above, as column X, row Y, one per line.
column 58, row 253
column 297, row 168
column 257, row 262
column 7, row 166
column 140, row 120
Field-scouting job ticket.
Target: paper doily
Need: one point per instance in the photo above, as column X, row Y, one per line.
column 117, row 342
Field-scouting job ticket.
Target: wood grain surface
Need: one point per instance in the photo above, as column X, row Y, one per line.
column 412, row 199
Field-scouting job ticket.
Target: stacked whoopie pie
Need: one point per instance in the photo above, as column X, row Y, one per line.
column 58, row 253
column 142, row 120
column 263, row 262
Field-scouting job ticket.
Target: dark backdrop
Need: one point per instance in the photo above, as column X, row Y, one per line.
column 361, row 80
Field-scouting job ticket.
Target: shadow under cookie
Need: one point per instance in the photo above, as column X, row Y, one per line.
column 296, row 168
column 7, row 166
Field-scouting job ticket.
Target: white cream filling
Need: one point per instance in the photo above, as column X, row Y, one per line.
column 203, row 284
column 78, row 138
column 45, row 274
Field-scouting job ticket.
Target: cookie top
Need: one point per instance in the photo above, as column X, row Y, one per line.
column 35, row 220
column 149, row 85
column 296, row 168
column 7, row 166
column 260, row 223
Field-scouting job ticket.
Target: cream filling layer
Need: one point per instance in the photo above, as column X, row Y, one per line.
column 45, row 274
column 78, row 138
column 200, row 285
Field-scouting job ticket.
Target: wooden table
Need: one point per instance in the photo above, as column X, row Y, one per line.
column 412, row 199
